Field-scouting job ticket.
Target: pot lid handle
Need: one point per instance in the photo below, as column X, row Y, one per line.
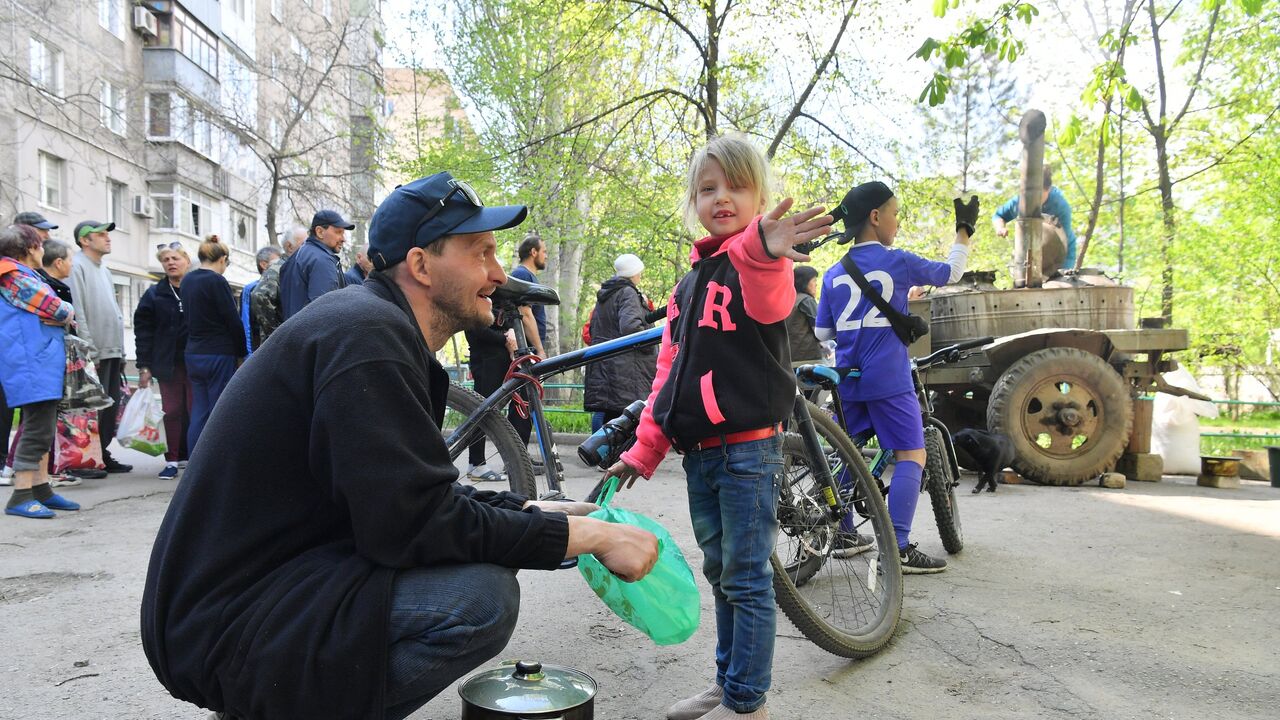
column 531, row 671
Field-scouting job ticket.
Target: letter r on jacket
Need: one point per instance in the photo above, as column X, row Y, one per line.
column 717, row 303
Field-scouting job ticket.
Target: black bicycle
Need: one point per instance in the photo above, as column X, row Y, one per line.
column 846, row 601
column 941, row 471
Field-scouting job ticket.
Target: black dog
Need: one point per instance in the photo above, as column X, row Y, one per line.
column 989, row 453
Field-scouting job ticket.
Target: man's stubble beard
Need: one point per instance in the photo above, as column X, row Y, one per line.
column 452, row 313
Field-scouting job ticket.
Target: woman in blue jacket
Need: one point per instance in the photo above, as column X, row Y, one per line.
column 32, row 364
column 215, row 337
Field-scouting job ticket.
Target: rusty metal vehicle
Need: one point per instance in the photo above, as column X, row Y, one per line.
column 1069, row 359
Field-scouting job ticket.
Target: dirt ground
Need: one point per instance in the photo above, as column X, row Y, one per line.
column 1156, row 601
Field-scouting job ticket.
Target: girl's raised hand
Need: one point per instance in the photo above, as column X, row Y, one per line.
column 780, row 235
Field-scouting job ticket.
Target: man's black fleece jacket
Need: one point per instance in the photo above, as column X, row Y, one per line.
column 321, row 472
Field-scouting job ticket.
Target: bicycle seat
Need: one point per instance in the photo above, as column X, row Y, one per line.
column 519, row 292
column 818, row 376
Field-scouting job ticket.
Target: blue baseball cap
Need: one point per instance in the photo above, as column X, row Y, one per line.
column 423, row 211
column 330, row 218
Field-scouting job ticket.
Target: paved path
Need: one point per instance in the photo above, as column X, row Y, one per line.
column 1157, row 601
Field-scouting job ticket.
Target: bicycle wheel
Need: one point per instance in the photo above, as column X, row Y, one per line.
column 848, row 606
column 941, row 483
column 503, row 450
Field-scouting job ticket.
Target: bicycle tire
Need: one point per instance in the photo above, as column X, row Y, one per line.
column 847, row 606
column 499, row 434
column 941, row 483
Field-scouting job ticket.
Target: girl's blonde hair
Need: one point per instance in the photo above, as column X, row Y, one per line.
column 211, row 250
column 743, row 164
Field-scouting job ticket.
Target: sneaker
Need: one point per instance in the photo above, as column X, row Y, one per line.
column 721, row 712
column 847, row 545
column 64, row 481
column 915, row 562
column 698, row 705
column 169, row 472
column 87, row 473
column 115, row 466
column 482, row 473
column 6, row 476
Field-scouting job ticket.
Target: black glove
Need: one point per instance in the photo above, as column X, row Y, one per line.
column 966, row 214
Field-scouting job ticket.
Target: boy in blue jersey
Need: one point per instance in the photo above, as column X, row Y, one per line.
column 883, row 399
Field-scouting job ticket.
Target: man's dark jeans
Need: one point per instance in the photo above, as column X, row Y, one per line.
column 445, row 621
column 109, row 373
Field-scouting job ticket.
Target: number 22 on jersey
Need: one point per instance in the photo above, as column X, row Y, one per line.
column 873, row 318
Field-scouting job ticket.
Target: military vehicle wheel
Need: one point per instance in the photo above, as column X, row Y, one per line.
column 1068, row 413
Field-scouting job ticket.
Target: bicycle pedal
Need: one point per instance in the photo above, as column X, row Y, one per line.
column 555, row 495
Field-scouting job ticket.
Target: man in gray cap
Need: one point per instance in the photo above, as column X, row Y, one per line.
column 340, row 570
column 37, row 221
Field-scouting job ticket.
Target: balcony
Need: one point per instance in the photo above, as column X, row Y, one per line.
column 168, row 66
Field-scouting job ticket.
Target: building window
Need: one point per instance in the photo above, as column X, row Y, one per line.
column 117, row 196
column 178, row 30
column 46, row 67
column 159, row 116
column 178, row 207
column 277, row 10
column 113, row 108
column 242, row 230
column 171, row 116
column 52, row 170
column 326, row 9
column 299, row 49
column 110, row 17
column 240, row 8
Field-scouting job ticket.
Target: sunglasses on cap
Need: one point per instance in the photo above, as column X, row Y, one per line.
column 175, row 245
column 457, row 187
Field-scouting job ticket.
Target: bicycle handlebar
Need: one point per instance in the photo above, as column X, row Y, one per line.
column 951, row 353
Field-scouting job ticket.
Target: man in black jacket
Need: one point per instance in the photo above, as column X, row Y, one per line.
column 613, row 384
column 339, row 571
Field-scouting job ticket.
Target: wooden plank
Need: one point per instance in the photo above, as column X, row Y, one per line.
column 1148, row 340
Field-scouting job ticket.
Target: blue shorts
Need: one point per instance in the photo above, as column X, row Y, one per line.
column 895, row 420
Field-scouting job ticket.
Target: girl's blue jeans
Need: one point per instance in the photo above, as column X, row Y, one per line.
column 733, row 503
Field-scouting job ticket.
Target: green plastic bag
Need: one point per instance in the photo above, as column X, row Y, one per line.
column 663, row 604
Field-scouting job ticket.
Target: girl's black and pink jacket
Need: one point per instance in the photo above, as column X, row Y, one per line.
column 724, row 365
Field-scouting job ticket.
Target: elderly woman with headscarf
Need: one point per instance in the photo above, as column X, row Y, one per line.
column 32, row 365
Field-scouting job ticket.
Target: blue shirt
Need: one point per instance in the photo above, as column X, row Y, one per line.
column 245, row 294
column 1056, row 205
column 539, row 312
column 864, row 338
column 308, row 273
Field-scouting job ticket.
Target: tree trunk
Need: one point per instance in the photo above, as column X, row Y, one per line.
column 711, row 69
column 1167, row 237
column 1096, row 204
column 273, row 203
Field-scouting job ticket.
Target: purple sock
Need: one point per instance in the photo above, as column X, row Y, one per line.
column 904, row 493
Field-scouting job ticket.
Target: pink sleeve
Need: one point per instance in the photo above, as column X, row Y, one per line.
column 651, row 444
column 768, row 287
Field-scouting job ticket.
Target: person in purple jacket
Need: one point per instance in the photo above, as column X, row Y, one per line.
column 883, row 398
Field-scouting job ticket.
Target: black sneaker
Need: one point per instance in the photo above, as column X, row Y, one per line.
column 847, row 545
column 115, row 466
column 915, row 562
column 87, row 474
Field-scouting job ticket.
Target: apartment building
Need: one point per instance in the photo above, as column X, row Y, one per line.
column 176, row 119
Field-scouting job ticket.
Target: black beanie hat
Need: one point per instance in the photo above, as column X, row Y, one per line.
column 859, row 202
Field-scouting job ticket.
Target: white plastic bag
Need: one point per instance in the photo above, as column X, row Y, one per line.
column 1175, row 425
column 141, row 426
